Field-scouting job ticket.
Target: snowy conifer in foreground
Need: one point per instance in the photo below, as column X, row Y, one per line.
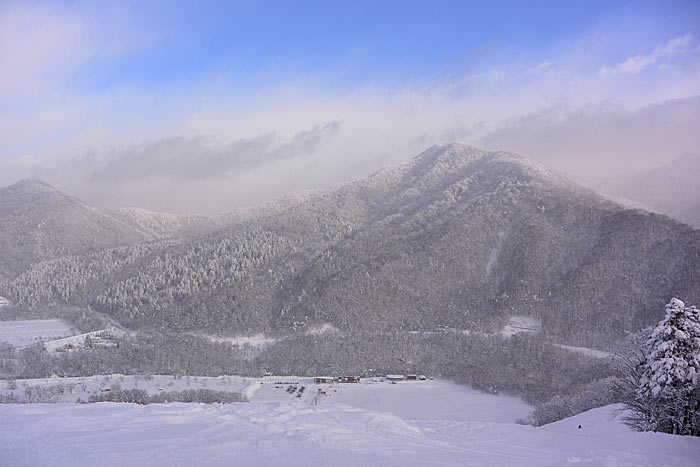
column 667, row 397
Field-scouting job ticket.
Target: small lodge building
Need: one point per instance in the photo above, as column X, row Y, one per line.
column 395, row 377
column 348, row 379
column 324, row 380
column 411, row 377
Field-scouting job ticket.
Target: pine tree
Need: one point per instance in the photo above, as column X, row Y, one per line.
column 669, row 373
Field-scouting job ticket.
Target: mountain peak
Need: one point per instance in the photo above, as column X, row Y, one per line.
column 31, row 186
column 449, row 149
column 456, row 157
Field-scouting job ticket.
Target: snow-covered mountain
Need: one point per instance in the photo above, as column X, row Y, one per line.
column 456, row 238
column 160, row 225
column 38, row 222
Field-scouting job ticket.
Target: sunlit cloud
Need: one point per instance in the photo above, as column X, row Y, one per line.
column 637, row 63
column 202, row 157
column 585, row 104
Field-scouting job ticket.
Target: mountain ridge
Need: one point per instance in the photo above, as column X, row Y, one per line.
column 457, row 237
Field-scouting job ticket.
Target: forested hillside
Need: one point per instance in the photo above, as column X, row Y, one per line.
column 455, row 238
column 38, row 223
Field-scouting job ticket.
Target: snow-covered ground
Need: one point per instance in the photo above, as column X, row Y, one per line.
column 57, row 389
column 78, row 340
column 594, row 353
column 294, row 434
column 325, row 328
column 521, row 324
column 411, row 423
column 409, row 400
column 258, row 340
column 528, row 325
column 24, row 333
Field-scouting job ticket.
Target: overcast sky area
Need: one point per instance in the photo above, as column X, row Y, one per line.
column 208, row 106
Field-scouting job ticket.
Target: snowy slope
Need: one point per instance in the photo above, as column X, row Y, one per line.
column 289, row 434
column 457, row 237
column 25, row 333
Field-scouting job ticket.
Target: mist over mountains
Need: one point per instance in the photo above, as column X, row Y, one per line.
column 456, row 238
column 672, row 189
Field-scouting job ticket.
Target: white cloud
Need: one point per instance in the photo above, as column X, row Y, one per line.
column 679, row 45
column 590, row 140
column 148, row 144
column 36, row 44
column 492, row 76
column 202, row 157
column 43, row 45
column 541, row 68
column 637, row 63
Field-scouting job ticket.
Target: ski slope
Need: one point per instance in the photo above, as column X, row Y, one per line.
column 296, row 434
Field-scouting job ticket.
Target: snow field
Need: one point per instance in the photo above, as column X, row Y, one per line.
column 83, row 387
column 593, row 353
column 258, row 340
column 409, row 400
column 521, row 324
column 290, row 434
column 25, row 333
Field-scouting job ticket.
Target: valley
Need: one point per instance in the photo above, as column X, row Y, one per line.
column 500, row 278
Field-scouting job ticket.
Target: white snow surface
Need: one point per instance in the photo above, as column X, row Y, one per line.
column 56, row 389
column 258, row 340
column 294, row 434
column 594, row 353
column 326, row 328
column 411, row 423
column 79, row 339
column 25, row 333
column 521, row 324
column 409, row 400
column 413, row 400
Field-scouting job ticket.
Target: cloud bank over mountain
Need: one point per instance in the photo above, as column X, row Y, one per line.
column 247, row 104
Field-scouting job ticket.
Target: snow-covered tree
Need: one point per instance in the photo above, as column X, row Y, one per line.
column 668, row 392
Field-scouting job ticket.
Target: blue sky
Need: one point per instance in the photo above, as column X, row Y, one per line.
column 342, row 46
column 304, row 94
